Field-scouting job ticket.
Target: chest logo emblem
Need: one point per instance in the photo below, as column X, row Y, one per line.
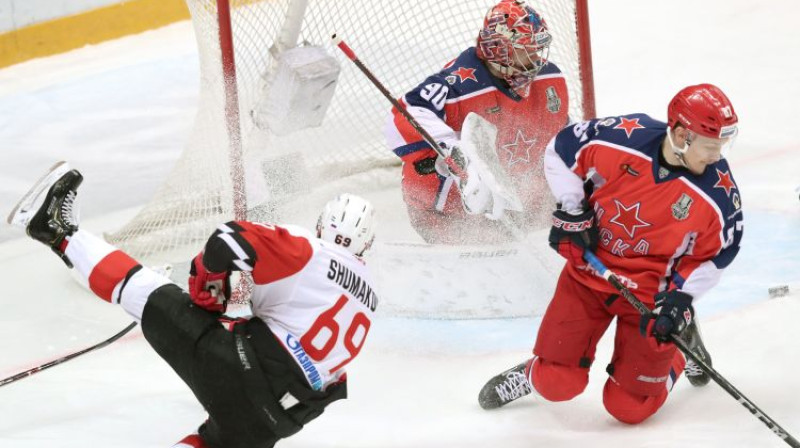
column 628, row 218
column 553, row 101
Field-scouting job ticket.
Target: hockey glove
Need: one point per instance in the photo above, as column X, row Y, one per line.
column 574, row 232
column 674, row 312
column 209, row 290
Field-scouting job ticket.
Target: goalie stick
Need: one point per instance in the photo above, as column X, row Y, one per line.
column 66, row 358
column 684, row 347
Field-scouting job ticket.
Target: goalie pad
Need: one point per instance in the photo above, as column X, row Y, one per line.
column 488, row 188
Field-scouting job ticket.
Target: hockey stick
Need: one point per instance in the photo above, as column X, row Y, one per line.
column 684, row 347
column 452, row 161
column 64, row 359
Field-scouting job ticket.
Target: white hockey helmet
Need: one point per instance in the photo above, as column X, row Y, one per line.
column 348, row 221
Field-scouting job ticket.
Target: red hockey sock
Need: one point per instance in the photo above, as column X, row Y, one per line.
column 191, row 441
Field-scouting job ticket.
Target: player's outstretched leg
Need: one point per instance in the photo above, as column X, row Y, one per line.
column 47, row 211
column 506, row 387
column 696, row 376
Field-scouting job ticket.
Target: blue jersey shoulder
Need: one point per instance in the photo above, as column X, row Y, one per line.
column 639, row 132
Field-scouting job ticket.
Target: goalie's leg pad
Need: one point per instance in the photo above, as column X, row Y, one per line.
column 556, row 382
column 628, row 407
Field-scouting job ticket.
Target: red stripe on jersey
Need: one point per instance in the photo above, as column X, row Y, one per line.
column 107, row 274
column 280, row 254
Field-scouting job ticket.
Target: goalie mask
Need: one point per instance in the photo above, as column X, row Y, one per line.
column 348, row 221
column 514, row 43
column 708, row 116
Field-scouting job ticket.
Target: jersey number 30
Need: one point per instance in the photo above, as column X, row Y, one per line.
column 327, row 321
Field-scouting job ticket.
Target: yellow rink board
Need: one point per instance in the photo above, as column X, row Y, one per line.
column 91, row 27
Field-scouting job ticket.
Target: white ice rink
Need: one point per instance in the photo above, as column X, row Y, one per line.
column 121, row 112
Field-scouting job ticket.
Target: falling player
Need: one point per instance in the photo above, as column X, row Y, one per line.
column 658, row 204
column 260, row 379
column 506, row 79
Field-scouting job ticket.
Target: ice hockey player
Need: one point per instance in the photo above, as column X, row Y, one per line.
column 260, row 379
column 658, row 205
column 506, row 79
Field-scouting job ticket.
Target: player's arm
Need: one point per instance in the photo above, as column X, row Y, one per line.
column 426, row 103
column 697, row 274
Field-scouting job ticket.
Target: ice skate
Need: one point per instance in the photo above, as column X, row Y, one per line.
column 47, row 211
column 696, row 376
column 505, row 387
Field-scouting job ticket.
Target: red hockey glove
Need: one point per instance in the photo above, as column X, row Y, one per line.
column 574, row 232
column 674, row 314
column 209, row 290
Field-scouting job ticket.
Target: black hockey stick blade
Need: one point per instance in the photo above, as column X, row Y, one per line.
column 66, row 358
column 505, row 388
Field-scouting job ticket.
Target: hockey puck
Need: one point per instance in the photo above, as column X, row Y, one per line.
column 778, row 291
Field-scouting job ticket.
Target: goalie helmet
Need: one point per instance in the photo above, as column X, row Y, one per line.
column 348, row 221
column 514, row 42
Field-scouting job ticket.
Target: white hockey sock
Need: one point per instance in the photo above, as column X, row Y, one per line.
column 104, row 268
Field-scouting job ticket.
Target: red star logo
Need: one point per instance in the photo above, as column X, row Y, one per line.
column 725, row 182
column 520, row 150
column 465, row 73
column 629, row 125
column 628, row 218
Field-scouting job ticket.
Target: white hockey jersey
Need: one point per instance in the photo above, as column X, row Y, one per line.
column 316, row 297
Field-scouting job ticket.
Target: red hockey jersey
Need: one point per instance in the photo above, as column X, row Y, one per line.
column 441, row 103
column 660, row 227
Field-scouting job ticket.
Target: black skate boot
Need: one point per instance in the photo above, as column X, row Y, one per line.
column 47, row 211
column 505, row 387
column 696, row 376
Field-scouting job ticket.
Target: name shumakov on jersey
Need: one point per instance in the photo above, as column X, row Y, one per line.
column 353, row 284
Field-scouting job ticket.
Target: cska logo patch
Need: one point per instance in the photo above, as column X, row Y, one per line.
column 465, row 74
column 680, row 209
column 725, row 182
column 628, row 125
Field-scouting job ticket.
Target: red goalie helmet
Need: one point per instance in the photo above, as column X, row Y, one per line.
column 514, row 42
column 705, row 110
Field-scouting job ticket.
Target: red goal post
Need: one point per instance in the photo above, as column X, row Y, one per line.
column 235, row 166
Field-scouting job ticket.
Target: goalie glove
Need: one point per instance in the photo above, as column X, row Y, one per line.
column 208, row 290
column 477, row 196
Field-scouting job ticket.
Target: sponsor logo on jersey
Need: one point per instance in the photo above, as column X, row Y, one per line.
column 553, row 101
column 680, row 209
column 662, row 172
column 311, row 372
column 737, row 203
column 493, row 110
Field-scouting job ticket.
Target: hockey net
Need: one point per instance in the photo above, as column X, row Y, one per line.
column 234, row 166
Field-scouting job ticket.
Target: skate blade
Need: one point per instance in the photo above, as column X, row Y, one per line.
column 22, row 213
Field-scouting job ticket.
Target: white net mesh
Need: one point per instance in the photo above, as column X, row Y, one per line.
column 401, row 42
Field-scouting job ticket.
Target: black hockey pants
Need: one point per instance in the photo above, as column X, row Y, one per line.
column 239, row 377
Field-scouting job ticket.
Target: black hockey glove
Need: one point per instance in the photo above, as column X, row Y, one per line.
column 574, row 232
column 675, row 313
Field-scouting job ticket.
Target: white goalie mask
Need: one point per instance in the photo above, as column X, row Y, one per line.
column 348, row 221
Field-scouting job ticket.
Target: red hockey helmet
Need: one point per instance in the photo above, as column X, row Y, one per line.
column 514, row 42
column 705, row 110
